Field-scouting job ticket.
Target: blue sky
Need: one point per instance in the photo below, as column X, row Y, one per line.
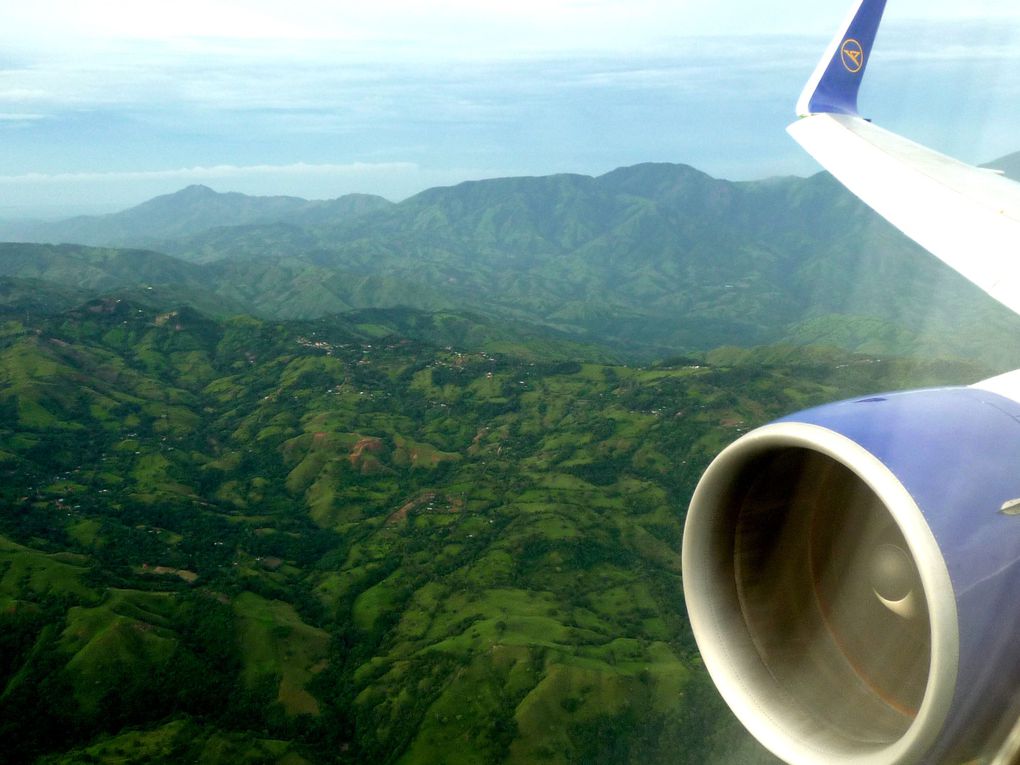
column 105, row 104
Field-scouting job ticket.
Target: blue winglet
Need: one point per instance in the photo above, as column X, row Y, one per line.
column 833, row 86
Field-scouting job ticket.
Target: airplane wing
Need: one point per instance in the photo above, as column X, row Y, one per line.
column 798, row 530
column 968, row 217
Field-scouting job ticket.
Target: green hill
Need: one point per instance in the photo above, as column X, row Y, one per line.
column 243, row 540
column 95, row 269
column 647, row 261
column 28, row 296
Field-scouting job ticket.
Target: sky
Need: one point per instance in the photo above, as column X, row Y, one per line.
column 104, row 104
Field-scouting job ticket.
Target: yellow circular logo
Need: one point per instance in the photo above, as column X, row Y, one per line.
column 853, row 55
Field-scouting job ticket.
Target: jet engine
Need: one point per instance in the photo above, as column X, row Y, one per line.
column 852, row 575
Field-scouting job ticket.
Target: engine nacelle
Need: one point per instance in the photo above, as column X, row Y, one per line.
column 852, row 575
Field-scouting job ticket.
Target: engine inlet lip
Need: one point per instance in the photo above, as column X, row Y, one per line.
column 726, row 648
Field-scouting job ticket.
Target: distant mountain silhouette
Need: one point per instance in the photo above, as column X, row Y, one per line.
column 190, row 211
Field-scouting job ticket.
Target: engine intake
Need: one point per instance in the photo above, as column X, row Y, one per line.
column 845, row 572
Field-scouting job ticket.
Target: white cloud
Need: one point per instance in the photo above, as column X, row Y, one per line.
column 20, row 117
column 567, row 24
column 224, row 55
column 221, row 172
column 514, row 85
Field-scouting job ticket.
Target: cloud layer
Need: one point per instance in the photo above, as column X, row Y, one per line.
column 120, row 96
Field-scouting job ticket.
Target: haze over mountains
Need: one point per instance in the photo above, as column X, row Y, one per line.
column 190, row 211
column 649, row 260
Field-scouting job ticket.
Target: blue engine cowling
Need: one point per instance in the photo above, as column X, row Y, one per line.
column 852, row 575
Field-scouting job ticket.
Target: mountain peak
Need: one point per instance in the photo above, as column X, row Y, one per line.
column 195, row 190
column 654, row 173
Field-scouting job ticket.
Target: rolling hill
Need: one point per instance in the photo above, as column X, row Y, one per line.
column 241, row 540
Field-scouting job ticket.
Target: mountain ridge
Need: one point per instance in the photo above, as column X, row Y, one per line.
column 100, row 229
column 190, row 210
column 651, row 260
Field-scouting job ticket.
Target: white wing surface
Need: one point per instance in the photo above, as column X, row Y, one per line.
column 967, row 216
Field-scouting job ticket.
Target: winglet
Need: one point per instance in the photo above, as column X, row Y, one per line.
column 833, row 86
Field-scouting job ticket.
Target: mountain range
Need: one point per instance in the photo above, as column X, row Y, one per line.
column 647, row 261
column 359, row 482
